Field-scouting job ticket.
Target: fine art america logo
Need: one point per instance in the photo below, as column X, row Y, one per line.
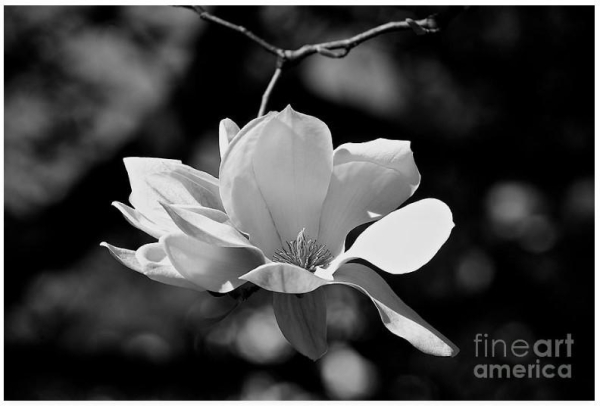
column 539, row 359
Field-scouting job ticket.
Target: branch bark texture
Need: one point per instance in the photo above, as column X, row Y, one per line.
column 332, row 49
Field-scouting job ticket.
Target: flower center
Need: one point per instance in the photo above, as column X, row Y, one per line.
column 304, row 252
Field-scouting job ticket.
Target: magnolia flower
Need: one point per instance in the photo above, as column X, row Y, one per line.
column 278, row 217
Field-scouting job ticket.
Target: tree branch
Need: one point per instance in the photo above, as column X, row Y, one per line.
column 332, row 49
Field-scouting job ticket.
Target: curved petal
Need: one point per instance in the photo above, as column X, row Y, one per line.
column 242, row 198
column 139, row 221
column 147, row 192
column 214, row 268
column 150, row 260
column 369, row 180
column 227, row 130
column 180, row 188
column 284, row 278
column 144, row 198
column 303, row 321
column 404, row 240
column 213, row 214
column 395, row 314
column 206, row 183
column 293, row 163
column 206, row 227
column 124, row 256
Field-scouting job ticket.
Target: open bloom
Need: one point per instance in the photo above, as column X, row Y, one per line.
column 278, row 217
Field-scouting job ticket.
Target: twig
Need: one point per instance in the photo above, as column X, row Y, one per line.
column 424, row 26
column 332, row 49
column 267, row 94
column 205, row 15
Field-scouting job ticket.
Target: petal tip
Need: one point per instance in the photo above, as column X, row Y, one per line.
column 228, row 129
column 171, row 211
column 111, row 248
column 130, row 160
column 443, row 208
column 287, row 113
column 448, row 350
column 315, row 357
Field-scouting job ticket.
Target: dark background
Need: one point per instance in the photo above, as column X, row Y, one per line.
column 499, row 109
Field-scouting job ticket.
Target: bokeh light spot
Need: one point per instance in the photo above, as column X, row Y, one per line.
column 579, row 201
column 347, row 375
column 538, row 234
column 259, row 339
column 262, row 386
column 345, row 320
column 475, row 271
column 148, row 346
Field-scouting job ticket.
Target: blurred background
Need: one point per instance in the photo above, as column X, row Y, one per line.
column 499, row 109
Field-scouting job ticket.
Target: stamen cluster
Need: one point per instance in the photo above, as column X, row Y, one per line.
column 304, row 252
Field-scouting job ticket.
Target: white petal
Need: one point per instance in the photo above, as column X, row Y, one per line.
column 293, row 164
column 284, row 278
column 205, row 226
column 303, row 321
column 156, row 266
column 198, row 179
column 124, row 256
column 395, row 314
column 150, row 260
column 213, row 214
column 241, row 196
column 178, row 188
column 138, row 220
column 227, row 130
column 369, row 180
column 214, row 268
column 406, row 239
